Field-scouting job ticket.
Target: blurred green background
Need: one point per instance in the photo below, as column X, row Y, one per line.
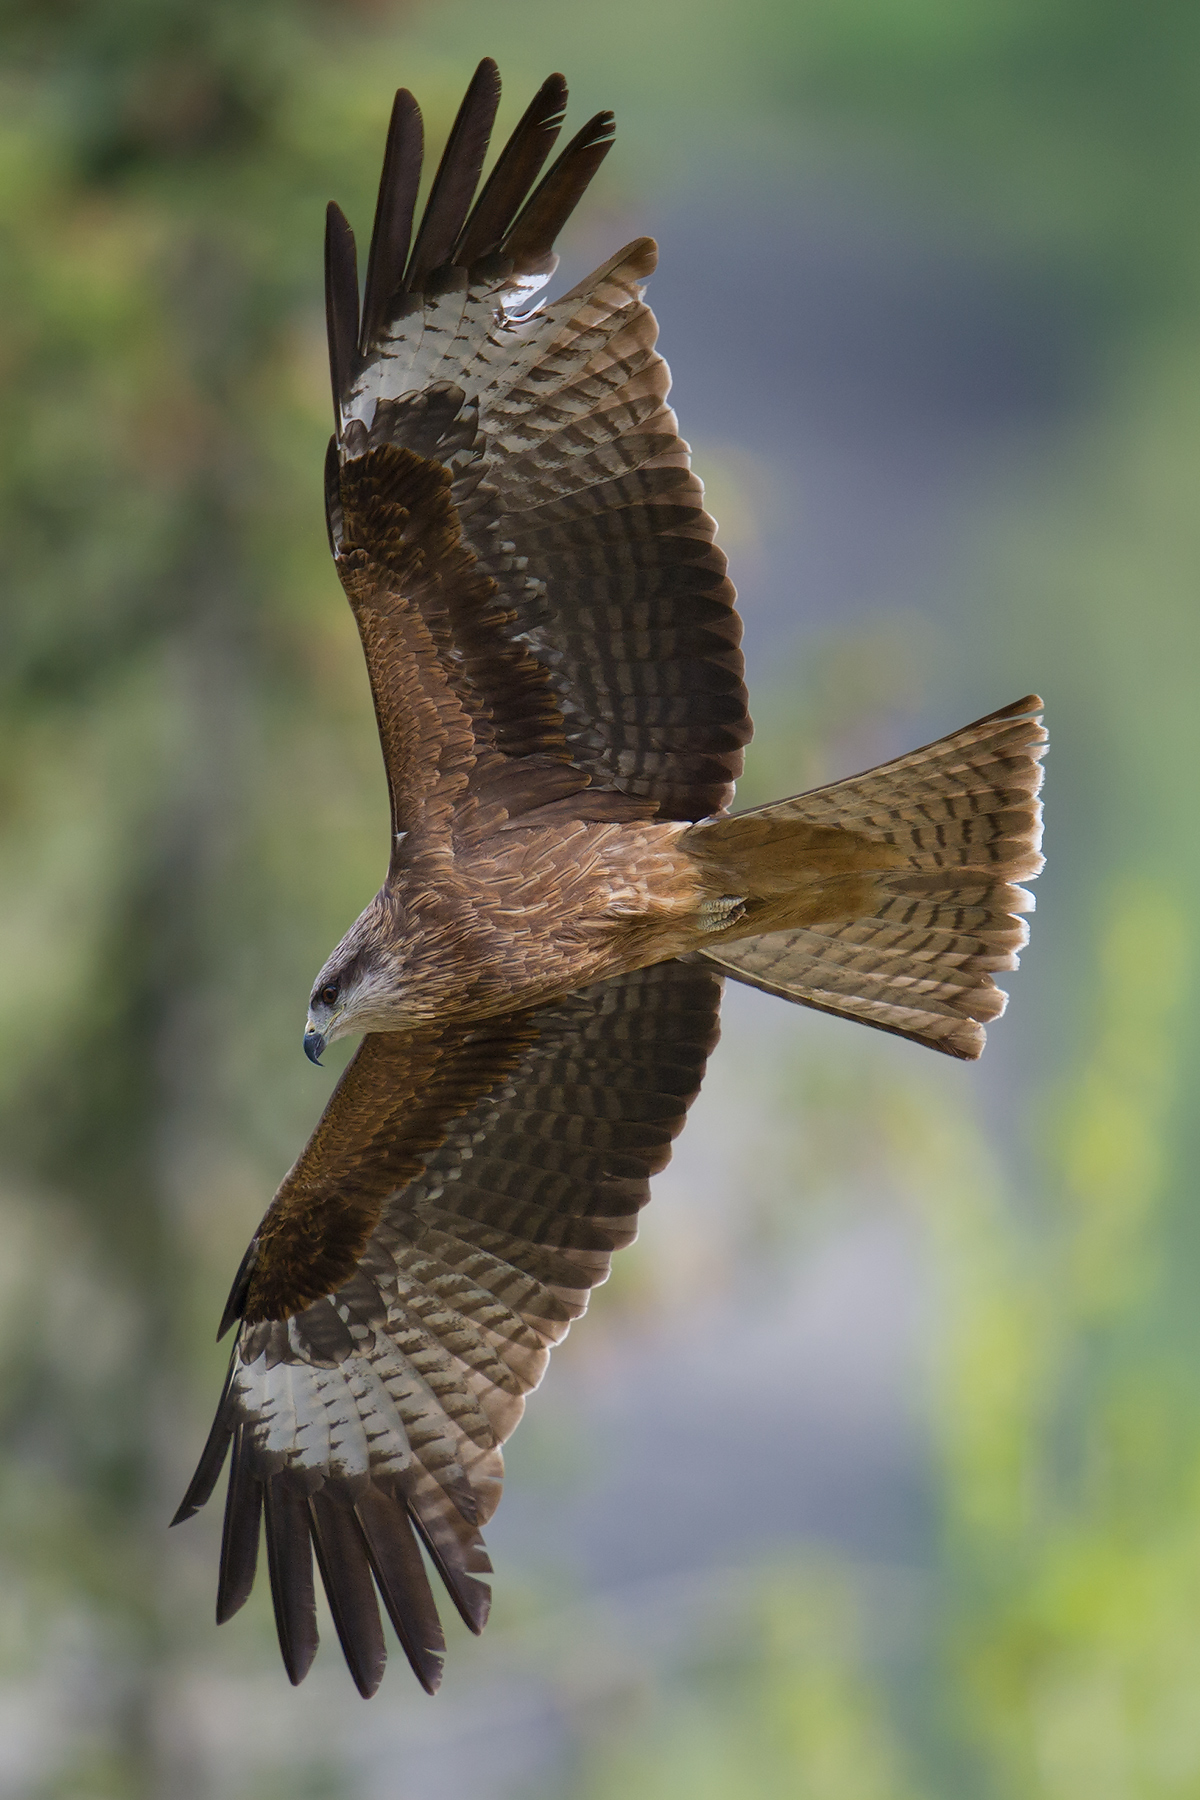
column 930, row 287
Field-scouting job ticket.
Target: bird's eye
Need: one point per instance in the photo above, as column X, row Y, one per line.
column 329, row 993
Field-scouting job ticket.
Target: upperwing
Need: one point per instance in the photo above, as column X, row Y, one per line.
column 513, row 513
column 483, row 1179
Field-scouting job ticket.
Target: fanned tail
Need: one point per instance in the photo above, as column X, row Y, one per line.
column 891, row 898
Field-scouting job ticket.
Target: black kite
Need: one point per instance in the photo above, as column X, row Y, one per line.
column 554, row 657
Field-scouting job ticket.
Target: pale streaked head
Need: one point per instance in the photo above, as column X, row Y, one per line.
column 358, row 989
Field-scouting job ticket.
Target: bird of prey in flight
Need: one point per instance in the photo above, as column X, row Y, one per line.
column 554, row 659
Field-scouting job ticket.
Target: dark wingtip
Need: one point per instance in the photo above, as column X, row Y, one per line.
column 333, row 499
column 236, row 1303
column 289, row 1564
column 472, row 1598
column 531, row 240
column 239, row 1533
column 457, row 177
column 346, row 1574
column 429, row 1673
column 403, row 1583
column 187, row 1509
column 517, row 169
column 399, row 180
column 212, row 1457
column 341, row 303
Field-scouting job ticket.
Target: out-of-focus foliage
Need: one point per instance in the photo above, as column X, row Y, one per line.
column 788, row 1710
column 191, row 808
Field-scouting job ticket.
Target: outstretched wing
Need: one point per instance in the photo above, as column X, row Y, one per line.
column 513, row 513
column 474, row 1187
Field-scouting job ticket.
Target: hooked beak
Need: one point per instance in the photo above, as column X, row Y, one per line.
column 314, row 1044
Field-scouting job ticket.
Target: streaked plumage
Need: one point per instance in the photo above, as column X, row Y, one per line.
column 553, row 652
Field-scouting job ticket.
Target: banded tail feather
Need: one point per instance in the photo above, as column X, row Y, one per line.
column 918, row 903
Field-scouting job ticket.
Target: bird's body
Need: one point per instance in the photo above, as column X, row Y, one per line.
column 511, row 917
column 554, row 658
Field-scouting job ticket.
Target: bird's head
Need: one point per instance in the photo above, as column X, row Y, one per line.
column 355, row 991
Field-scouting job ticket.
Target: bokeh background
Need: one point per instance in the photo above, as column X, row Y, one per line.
column 930, row 290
